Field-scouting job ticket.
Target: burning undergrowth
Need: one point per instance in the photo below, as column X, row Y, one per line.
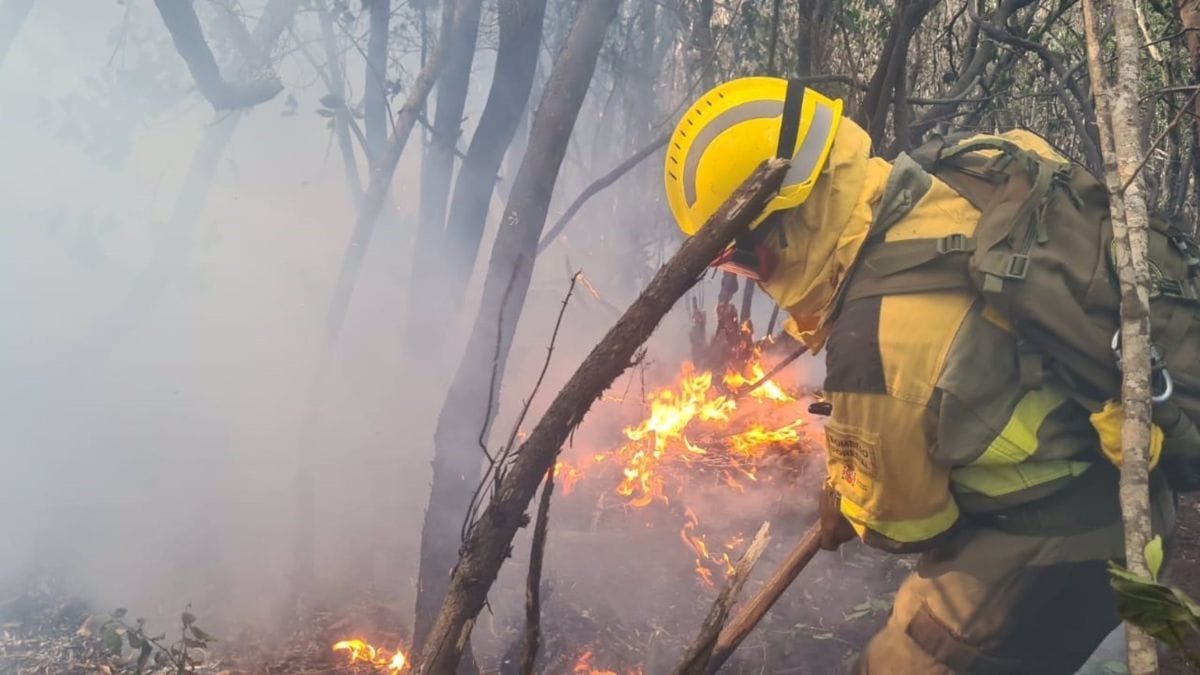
column 698, row 451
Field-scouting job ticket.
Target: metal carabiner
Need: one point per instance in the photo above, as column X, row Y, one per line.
column 1168, row 388
column 1156, row 367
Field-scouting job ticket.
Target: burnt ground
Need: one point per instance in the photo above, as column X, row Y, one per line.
column 817, row 628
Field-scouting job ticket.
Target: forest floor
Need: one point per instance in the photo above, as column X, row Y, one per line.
column 817, row 628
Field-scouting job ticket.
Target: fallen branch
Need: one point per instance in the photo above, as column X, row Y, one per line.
column 697, row 658
column 489, row 543
column 752, row 612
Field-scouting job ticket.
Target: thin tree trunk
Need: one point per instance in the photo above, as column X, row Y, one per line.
column 343, row 118
column 375, row 106
column 516, row 62
column 181, row 21
column 467, row 412
column 369, row 210
column 424, row 321
column 490, row 538
column 12, row 16
column 887, row 85
column 172, row 249
column 383, row 168
column 1122, row 153
column 1189, row 17
column 533, row 580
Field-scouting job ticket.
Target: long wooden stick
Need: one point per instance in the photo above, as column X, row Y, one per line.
column 489, row 540
column 753, row 611
column 695, row 661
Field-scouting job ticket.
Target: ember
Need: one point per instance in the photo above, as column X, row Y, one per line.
column 361, row 652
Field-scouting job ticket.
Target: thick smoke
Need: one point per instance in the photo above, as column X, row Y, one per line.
column 163, row 326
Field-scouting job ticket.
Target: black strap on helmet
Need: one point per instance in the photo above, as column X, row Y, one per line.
column 789, row 124
column 745, row 259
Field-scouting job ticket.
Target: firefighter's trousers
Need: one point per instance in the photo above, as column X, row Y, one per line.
column 996, row 602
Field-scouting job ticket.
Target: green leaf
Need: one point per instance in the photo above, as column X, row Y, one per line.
column 1154, row 556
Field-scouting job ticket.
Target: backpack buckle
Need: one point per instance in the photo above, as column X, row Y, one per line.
column 1175, row 288
column 1017, row 266
column 953, row 243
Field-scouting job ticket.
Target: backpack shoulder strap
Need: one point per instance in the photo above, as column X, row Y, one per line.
column 889, row 268
column 908, row 266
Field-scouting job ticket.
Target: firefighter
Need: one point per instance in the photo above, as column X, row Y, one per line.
column 937, row 442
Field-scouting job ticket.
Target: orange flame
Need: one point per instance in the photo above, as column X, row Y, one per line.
column 583, row 666
column 695, row 406
column 720, row 425
column 380, row 659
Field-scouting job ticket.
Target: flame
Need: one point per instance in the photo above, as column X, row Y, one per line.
column 380, row 659
column 567, row 476
column 699, row 424
column 583, row 666
column 693, row 407
column 767, row 391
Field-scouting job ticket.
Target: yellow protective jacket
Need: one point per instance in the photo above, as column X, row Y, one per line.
column 929, row 418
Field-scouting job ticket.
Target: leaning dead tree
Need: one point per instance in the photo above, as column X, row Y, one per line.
column 1118, row 116
column 181, row 21
column 489, row 540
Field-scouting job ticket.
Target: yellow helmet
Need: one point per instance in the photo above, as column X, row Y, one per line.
column 730, row 130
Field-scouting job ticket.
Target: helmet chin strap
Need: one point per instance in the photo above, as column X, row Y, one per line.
column 749, row 256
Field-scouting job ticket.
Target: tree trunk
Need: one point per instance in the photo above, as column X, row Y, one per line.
column 375, row 105
column 423, row 325
column 369, row 210
column 467, row 412
column 12, row 17
column 1122, row 153
column 383, row 167
column 888, row 84
column 171, row 252
column 181, row 21
column 516, row 61
column 343, row 119
column 1189, row 17
column 489, row 540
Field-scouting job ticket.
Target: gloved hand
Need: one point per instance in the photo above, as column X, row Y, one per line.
column 835, row 529
column 1108, row 423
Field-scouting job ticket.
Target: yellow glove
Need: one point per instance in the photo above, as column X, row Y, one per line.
column 1108, row 425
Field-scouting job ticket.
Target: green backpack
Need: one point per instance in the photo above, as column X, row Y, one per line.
column 1042, row 255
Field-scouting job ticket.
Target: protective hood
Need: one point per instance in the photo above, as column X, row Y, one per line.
column 820, row 239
